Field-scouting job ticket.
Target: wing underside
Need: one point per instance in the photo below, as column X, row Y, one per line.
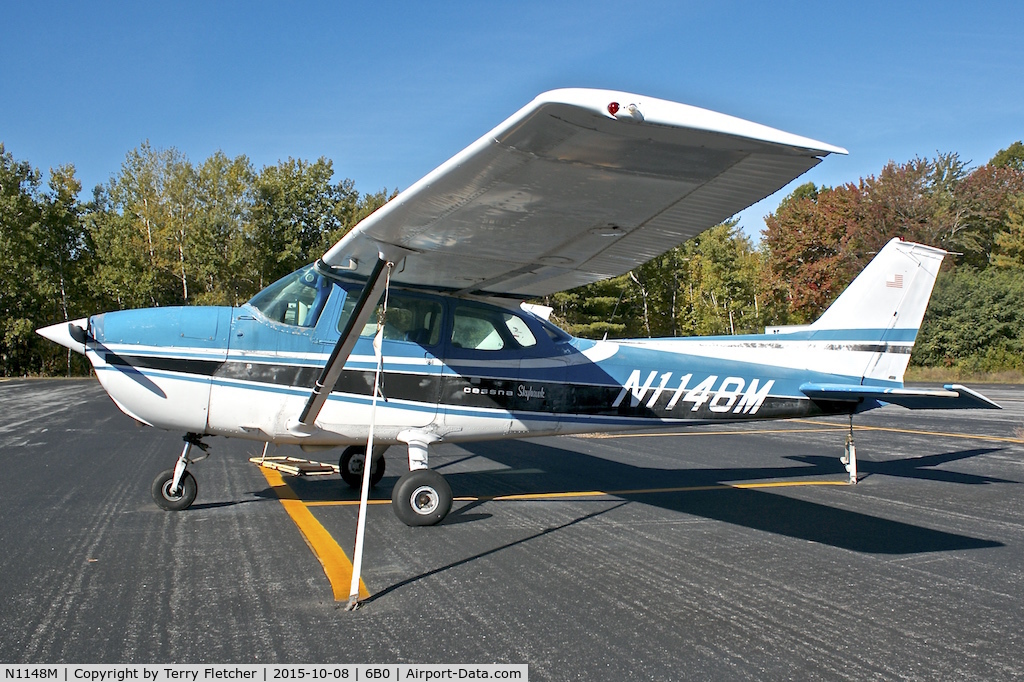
column 565, row 193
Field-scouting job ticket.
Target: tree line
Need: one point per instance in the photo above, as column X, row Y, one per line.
column 163, row 231
column 818, row 240
column 166, row 231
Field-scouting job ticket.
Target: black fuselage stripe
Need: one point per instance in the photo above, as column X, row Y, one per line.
column 167, row 364
column 468, row 391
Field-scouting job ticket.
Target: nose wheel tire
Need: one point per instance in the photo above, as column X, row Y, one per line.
column 351, row 465
column 421, row 498
column 174, row 501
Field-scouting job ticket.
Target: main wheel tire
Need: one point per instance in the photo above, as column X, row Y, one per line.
column 421, row 498
column 351, row 466
column 161, row 490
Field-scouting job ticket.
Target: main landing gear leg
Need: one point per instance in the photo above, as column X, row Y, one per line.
column 176, row 489
column 849, row 458
column 421, row 497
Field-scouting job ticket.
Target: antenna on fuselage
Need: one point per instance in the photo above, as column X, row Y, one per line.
column 614, row 310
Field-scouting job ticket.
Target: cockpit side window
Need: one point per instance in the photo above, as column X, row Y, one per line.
column 296, row 299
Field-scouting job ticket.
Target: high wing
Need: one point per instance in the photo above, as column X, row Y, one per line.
column 577, row 186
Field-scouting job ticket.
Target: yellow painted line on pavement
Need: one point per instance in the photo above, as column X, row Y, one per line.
column 916, row 432
column 336, row 563
column 826, row 427
column 602, row 436
column 342, row 503
column 598, row 493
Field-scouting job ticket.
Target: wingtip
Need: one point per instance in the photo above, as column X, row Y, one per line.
column 963, row 390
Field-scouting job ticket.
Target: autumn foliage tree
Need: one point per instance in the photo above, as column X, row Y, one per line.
column 819, row 238
column 807, row 241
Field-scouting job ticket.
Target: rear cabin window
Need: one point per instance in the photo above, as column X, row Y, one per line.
column 487, row 329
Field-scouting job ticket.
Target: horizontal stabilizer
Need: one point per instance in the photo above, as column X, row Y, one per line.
column 949, row 397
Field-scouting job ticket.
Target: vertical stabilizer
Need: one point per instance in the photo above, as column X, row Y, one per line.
column 880, row 313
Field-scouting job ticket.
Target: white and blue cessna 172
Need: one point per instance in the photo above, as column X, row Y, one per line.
column 577, row 186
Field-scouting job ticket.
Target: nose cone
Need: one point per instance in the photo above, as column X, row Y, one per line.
column 68, row 334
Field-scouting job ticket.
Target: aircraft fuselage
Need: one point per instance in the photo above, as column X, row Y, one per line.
column 459, row 368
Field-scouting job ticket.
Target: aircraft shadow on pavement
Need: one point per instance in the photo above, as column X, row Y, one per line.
column 910, row 467
column 536, row 468
column 772, row 512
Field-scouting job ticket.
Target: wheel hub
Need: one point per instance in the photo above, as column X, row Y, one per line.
column 425, row 500
column 171, row 494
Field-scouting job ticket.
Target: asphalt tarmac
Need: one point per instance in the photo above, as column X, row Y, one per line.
column 717, row 553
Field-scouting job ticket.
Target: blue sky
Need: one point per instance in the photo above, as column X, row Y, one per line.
column 389, row 90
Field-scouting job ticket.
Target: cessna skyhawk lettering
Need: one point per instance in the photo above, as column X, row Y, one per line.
column 578, row 186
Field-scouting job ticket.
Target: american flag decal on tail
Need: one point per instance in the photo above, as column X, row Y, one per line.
column 894, row 282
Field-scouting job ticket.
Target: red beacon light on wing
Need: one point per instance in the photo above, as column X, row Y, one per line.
column 620, row 112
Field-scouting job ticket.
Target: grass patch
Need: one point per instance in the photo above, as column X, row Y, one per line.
column 949, row 375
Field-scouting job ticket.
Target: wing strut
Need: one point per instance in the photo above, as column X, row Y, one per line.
column 342, row 349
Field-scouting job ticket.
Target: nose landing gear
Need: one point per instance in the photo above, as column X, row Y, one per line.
column 172, row 498
column 176, row 489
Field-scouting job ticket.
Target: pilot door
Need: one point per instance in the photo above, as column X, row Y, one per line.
column 281, row 342
column 411, row 372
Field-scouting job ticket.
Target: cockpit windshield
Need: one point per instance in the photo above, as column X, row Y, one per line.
column 296, row 299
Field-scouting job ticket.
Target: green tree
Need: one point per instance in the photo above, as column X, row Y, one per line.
column 181, row 201
column 61, row 265
column 350, row 209
column 1011, row 157
column 721, row 282
column 134, row 233
column 708, row 285
column 295, row 207
column 1009, row 251
column 594, row 311
column 41, row 248
column 221, row 258
column 20, row 215
column 975, row 321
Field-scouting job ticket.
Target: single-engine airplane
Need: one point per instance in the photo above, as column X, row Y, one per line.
column 577, row 186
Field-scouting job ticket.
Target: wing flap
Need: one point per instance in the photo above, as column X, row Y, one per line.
column 565, row 193
column 949, row 397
